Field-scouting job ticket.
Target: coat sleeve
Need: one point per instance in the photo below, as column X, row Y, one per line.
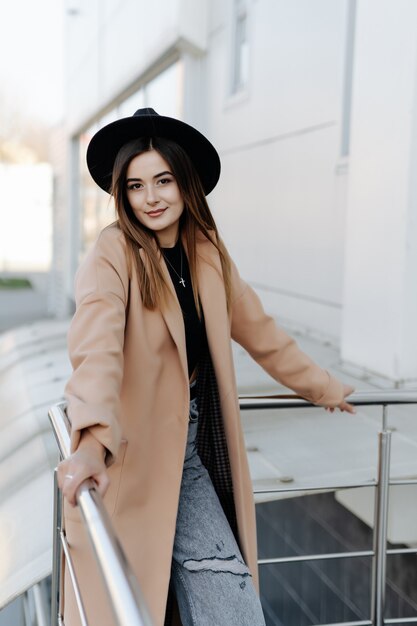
column 95, row 344
column 275, row 351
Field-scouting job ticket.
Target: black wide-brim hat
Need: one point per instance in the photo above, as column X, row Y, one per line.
column 106, row 143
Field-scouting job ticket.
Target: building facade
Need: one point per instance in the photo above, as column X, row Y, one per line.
column 313, row 109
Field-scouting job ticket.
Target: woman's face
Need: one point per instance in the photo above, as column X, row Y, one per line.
column 154, row 196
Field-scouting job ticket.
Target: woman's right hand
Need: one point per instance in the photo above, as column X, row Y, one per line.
column 80, row 466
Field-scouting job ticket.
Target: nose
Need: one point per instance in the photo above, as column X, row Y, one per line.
column 152, row 195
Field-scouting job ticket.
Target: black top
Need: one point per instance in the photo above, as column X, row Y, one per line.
column 195, row 330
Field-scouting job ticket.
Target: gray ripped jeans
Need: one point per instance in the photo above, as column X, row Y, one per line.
column 212, row 583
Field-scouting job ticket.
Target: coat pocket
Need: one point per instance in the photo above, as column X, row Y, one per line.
column 115, row 475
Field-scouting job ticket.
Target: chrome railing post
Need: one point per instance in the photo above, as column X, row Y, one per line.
column 382, row 484
column 27, row 617
column 381, row 525
column 57, row 553
column 39, row 601
column 34, row 606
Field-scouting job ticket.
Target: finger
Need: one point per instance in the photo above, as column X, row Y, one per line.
column 63, row 472
column 349, row 408
column 72, row 483
column 69, row 488
column 102, row 481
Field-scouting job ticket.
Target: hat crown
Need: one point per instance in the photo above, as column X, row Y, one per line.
column 145, row 111
column 146, row 122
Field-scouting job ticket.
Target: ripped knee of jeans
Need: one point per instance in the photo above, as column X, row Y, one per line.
column 228, row 565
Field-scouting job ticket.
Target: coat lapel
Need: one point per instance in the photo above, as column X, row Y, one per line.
column 172, row 315
column 213, row 301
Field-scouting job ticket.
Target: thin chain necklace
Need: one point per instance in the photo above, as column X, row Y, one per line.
column 182, row 281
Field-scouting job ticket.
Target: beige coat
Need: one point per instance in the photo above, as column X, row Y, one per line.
column 130, row 389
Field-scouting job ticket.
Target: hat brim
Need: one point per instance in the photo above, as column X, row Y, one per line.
column 106, row 143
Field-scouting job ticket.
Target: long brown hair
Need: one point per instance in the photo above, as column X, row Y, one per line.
column 195, row 217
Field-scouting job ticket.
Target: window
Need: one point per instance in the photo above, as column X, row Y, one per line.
column 240, row 61
column 131, row 104
column 96, row 207
column 164, row 92
column 348, row 78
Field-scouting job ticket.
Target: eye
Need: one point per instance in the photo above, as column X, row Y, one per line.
column 134, row 186
column 164, row 181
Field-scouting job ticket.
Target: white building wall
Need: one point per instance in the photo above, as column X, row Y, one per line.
column 26, row 203
column 112, row 44
column 278, row 202
column 60, row 276
column 380, row 310
column 282, row 200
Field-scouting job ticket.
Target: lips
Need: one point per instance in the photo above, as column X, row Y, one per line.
column 156, row 212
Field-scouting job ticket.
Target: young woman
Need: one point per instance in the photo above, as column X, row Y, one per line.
column 152, row 399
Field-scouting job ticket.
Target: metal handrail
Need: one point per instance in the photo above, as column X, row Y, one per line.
column 125, row 597
column 127, row 602
column 358, row 398
column 382, row 484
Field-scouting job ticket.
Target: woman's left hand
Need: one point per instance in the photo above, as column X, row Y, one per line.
column 344, row 406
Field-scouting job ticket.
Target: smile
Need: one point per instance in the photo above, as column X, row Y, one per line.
column 156, row 213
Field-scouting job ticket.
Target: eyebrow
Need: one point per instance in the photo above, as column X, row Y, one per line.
column 130, row 180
